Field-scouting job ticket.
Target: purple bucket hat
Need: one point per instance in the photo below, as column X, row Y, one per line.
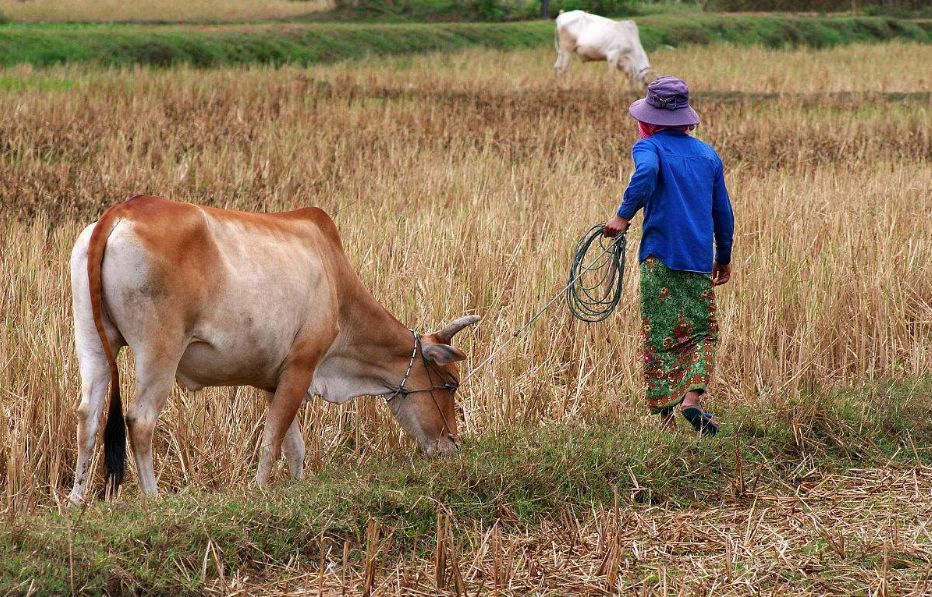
column 666, row 104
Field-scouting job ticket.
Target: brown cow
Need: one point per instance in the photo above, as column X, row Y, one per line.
column 217, row 298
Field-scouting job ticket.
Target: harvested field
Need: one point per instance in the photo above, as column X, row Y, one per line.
column 827, row 535
column 157, row 11
column 460, row 184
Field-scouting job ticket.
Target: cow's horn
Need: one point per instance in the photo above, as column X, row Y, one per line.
column 455, row 326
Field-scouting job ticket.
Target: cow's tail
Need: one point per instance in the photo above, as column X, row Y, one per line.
column 115, row 429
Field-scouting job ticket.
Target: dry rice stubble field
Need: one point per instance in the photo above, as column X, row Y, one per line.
column 157, row 11
column 460, row 184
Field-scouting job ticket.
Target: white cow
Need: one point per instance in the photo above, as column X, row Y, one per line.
column 596, row 38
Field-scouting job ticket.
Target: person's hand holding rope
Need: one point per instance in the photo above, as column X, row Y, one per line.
column 615, row 226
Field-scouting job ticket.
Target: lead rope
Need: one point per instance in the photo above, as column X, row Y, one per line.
column 582, row 301
column 597, row 301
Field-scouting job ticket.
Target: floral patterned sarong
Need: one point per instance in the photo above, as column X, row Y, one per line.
column 679, row 330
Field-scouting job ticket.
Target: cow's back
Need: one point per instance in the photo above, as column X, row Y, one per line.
column 195, row 247
column 594, row 34
column 579, row 21
column 236, row 288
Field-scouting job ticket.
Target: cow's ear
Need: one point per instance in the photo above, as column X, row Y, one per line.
column 442, row 354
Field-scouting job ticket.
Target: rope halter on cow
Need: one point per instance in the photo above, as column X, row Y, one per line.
column 403, row 392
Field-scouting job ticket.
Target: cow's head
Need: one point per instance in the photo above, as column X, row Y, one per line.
column 428, row 411
column 644, row 76
column 637, row 66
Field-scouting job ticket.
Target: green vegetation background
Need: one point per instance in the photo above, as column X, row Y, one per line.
column 305, row 43
column 509, row 10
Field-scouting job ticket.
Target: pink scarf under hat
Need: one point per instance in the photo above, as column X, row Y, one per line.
column 646, row 130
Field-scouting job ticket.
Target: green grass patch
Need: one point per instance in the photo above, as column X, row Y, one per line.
column 775, row 31
column 517, row 478
column 38, row 82
column 208, row 46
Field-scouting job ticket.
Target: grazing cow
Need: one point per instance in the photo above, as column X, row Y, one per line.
column 596, row 38
column 217, row 298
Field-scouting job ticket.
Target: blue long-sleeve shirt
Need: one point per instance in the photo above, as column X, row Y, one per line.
column 679, row 182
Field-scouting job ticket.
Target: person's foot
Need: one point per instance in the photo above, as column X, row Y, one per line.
column 701, row 421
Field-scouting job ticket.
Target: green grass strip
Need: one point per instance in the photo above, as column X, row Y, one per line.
column 519, row 477
column 209, row 46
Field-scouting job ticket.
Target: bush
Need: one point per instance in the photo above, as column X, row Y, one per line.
column 866, row 6
column 481, row 10
column 490, row 10
column 512, row 10
column 608, row 8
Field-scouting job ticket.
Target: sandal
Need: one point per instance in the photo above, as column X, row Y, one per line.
column 700, row 420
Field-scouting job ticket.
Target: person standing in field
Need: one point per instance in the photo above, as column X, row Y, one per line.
column 685, row 250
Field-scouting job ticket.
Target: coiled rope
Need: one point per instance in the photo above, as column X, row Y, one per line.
column 594, row 288
column 581, row 298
